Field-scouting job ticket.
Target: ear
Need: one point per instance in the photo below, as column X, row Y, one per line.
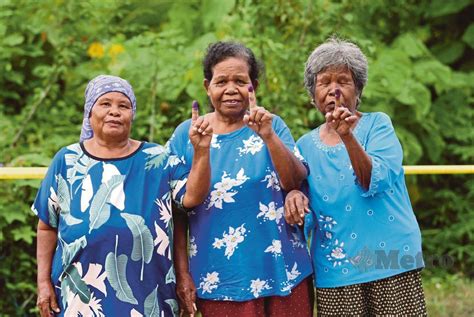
column 206, row 84
column 255, row 84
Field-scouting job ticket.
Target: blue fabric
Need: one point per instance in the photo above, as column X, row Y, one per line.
column 241, row 247
column 359, row 236
column 97, row 87
column 114, row 230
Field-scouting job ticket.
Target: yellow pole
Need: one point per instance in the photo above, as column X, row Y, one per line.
column 438, row 169
column 39, row 172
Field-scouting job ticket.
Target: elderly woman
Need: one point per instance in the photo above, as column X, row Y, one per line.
column 104, row 213
column 366, row 243
column 244, row 258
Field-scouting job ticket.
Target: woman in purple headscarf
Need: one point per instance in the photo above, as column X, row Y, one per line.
column 104, row 209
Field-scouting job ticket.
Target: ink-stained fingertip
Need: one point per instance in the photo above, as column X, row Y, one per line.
column 195, row 105
column 337, row 93
column 250, row 88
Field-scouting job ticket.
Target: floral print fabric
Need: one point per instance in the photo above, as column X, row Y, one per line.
column 241, row 247
column 114, row 222
column 359, row 236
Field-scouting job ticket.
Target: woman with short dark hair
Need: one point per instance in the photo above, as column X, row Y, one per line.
column 243, row 257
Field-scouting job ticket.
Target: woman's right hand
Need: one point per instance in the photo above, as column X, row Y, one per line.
column 47, row 302
column 200, row 131
column 186, row 291
column 296, row 205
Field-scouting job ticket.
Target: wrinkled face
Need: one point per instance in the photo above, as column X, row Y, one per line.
column 326, row 83
column 228, row 88
column 111, row 116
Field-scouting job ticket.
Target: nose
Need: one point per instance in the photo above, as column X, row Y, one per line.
column 114, row 110
column 231, row 90
column 332, row 89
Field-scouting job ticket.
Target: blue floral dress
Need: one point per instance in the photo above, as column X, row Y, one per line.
column 114, row 223
column 241, row 247
column 360, row 236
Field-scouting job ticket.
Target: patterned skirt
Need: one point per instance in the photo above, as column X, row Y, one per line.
column 399, row 295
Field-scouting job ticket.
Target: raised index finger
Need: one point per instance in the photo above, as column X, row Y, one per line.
column 252, row 99
column 337, row 94
column 195, row 111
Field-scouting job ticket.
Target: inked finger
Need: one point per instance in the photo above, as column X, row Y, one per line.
column 252, row 98
column 337, row 94
column 195, row 111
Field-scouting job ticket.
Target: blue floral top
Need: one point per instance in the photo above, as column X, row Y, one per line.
column 114, row 223
column 241, row 247
column 360, row 236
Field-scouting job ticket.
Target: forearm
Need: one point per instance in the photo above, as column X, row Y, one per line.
column 199, row 179
column 180, row 247
column 46, row 244
column 360, row 160
column 291, row 171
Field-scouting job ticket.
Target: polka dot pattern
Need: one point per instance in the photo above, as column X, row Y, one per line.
column 299, row 303
column 399, row 295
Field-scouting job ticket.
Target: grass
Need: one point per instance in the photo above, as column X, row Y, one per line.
column 448, row 295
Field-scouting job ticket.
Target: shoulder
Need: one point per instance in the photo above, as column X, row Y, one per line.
column 152, row 148
column 378, row 117
column 307, row 137
column 278, row 121
column 183, row 127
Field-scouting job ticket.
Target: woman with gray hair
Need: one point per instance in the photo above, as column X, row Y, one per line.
column 366, row 243
column 104, row 209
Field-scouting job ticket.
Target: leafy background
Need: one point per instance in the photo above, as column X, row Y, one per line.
column 421, row 73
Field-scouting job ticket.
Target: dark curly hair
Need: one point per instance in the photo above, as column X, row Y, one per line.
column 219, row 51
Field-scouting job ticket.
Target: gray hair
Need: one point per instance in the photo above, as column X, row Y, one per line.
column 336, row 53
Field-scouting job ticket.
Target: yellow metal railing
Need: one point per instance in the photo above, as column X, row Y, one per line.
column 39, row 172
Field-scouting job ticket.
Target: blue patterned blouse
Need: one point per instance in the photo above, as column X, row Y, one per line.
column 241, row 247
column 360, row 236
column 114, row 223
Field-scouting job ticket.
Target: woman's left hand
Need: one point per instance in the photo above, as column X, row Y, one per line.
column 200, row 131
column 258, row 118
column 296, row 206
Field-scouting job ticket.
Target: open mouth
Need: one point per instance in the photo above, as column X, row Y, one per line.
column 232, row 102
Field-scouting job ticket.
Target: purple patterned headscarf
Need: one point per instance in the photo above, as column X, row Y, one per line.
column 97, row 87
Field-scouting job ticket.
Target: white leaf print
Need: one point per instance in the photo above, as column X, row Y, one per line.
column 170, row 276
column 94, row 277
column 142, row 239
column 177, row 185
column 116, row 268
column 117, row 196
column 87, row 192
column 70, row 250
column 165, row 209
column 173, row 305
column 270, row 212
column 135, row 313
column 77, row 308
column 151, row 305
column 162, row 241
column 99, row 211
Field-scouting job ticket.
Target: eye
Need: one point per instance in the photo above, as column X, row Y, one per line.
column 124, row 106
column 241, row 82
column 219, row 82
column 105, row 104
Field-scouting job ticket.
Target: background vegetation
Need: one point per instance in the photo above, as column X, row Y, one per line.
column 421, row 73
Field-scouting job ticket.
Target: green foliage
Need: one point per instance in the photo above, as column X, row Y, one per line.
column 420, row 73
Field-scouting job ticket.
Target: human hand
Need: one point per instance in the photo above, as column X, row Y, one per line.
column 296, row 205
column 186, row 291
column 46, row 301
column 200, row 131
column 258, row 118
column 341, row 118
